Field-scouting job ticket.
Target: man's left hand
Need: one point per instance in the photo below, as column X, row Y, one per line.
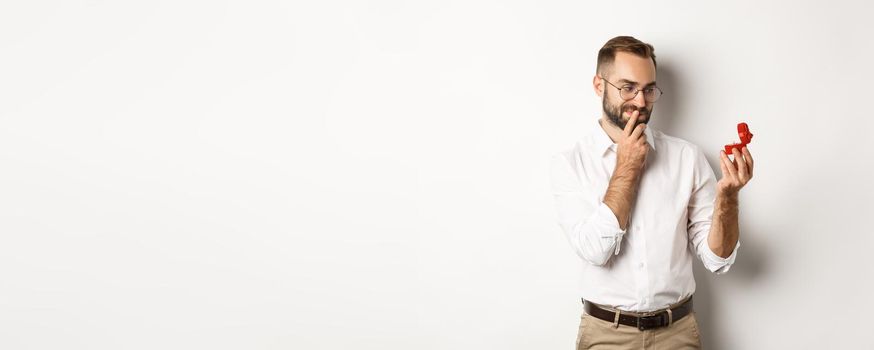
column 735, row 173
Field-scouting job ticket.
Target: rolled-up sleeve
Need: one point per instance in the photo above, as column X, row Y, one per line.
column 590, row 225
column 701, row 215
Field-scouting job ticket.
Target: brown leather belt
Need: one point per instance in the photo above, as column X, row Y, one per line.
column 646, row 321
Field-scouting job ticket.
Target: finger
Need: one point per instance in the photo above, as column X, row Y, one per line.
column 749, row 158
column 638, row 130
column 629, row 126
column 741, row 165
column 728, row 164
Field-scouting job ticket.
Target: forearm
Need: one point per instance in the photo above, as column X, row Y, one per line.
column 724, row 230
column 621, row 193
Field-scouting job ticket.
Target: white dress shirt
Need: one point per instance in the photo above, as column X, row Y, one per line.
column 649, row 265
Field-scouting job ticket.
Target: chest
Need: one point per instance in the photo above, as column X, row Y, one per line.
column 664, row 189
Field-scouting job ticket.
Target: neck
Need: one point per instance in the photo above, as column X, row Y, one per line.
column 613, row 131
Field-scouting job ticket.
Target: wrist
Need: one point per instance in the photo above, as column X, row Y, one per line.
column 627, row 170
column 727, row 195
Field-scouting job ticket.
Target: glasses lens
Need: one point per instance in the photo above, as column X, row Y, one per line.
column 627, row 92
column 652, row 94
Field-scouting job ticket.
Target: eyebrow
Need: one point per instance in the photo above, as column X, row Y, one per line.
column 632, row 82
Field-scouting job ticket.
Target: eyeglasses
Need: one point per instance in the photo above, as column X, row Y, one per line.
column 628, row 92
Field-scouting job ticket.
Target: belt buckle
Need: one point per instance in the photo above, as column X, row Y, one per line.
column 656, row 317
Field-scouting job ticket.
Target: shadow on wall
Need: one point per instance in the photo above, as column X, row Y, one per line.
column 751, row 258
column 669, row 109
column 749, row 267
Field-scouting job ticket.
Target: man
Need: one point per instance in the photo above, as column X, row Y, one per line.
column 636, row 204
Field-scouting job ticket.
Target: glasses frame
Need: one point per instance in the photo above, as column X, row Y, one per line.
column 637, row 91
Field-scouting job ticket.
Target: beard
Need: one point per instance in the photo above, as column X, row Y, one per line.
column 614, row 113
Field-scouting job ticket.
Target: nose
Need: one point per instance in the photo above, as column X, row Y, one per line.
column 638, row 100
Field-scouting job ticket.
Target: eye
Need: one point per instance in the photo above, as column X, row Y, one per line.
column 628, row 89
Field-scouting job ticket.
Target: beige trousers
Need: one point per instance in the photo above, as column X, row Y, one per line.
column 596, row 334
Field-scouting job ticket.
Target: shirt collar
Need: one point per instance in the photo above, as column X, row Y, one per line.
column 603, row 142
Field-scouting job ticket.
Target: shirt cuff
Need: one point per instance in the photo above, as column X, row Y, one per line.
column 610, row 228
column 716, row 263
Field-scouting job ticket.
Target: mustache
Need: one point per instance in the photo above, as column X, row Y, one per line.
column 641, row 110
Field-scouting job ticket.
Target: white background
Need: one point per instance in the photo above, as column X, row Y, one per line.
column 374, row 175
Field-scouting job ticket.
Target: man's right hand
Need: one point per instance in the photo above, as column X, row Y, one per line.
column 631, row 148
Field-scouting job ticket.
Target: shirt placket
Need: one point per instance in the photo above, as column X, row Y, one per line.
column 641, row 268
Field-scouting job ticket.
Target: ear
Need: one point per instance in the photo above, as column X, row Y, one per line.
column 598, row 85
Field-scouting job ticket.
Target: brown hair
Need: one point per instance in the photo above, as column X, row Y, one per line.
column 629, row 44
